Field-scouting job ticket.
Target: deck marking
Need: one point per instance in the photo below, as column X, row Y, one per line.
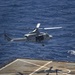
column 9, row 64
column 40, row 67
column 18, row 60
column 67, row 72
column 31, row 63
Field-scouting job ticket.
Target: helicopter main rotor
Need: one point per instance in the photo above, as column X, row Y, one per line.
column 38, row 25
column 49, row 28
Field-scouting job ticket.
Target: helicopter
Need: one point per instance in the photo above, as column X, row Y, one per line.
column 34, row 36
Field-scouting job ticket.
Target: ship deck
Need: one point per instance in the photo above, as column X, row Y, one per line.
column 38, row 67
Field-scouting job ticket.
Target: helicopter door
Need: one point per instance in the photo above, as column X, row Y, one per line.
column 39, row 38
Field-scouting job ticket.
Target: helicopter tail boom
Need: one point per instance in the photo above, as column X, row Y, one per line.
column 14, row 39
column 19, row 39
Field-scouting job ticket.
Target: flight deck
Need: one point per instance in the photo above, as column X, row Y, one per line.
column 38, row 67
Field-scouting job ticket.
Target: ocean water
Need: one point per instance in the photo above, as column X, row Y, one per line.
column 17, row 15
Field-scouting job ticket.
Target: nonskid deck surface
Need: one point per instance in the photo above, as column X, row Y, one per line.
column 38, row 67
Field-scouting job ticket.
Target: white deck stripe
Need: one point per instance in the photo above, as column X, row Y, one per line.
column 31, row 63
column 8, row 64
column 19, row 60
column 67, row 72
column 40, row 67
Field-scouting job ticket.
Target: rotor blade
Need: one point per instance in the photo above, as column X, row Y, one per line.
column 51, row 28
column 38, row 25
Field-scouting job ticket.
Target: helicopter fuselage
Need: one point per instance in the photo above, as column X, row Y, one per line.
column 34, row 37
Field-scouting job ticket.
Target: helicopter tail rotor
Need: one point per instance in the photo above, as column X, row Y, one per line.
column 7, row 37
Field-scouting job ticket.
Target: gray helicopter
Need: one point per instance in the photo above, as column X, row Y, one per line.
column 34, row 36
